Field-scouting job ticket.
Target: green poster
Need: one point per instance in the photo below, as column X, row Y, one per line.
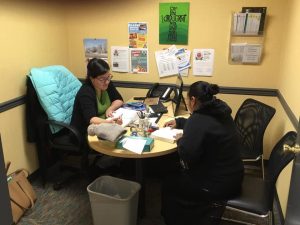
column 173, row 23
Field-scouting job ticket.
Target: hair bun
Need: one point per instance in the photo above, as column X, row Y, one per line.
column 213, row 89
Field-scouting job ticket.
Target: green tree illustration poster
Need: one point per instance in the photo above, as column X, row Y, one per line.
column 173, row 23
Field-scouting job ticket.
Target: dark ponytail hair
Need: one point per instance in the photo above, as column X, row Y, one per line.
column 203, row 91
column 96, row 67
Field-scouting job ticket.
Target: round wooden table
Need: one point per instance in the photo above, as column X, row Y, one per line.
column 160, row 148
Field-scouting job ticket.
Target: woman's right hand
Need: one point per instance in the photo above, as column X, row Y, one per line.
column 171, row 123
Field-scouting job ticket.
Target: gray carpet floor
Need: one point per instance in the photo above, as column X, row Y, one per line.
column 71, row 206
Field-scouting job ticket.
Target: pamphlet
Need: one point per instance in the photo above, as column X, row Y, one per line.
column 203, row 61
column 120, row 59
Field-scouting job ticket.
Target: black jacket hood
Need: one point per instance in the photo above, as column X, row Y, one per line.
column 216, row 108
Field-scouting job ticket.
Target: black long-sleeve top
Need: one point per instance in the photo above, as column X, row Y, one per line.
column 210, row 147
column 85, row 105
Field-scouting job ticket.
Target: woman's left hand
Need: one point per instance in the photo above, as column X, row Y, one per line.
column 118, row 120
column 109, row 112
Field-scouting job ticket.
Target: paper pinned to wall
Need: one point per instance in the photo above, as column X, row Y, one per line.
column 203, row 61
column 183, row 59
column 166, row 63
column 119, row 59
column 138, row 34
column 173, row 61
column 139, row 60
column 95, row 48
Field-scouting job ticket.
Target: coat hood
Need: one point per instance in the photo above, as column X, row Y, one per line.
column 216, row 108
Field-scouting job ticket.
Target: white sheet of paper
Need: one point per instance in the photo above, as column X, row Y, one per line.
column 166, row 63
column 184, row 73
column 128, row 116
column 139, row 60
column 203, row 62
column 237, row 52
column 167, row 134
column 120, row 59
column 252, row 53
column 183, row 59
column 134, row 145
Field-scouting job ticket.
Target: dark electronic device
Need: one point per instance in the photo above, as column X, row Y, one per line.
column 159, row 108
column 178, row 97
column 161, row 91
column 139, row 98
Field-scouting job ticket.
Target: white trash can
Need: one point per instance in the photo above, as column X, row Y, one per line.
column 114, row 201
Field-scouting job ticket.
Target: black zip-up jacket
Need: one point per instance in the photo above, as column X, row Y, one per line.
column 210, row 147
column 85, row 105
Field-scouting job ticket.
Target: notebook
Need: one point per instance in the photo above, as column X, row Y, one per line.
column 167, row 134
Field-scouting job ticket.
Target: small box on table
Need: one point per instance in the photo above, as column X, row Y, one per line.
column 147, row 148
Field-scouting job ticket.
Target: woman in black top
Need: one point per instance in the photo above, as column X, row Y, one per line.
column 209, row 153
column 97, row 99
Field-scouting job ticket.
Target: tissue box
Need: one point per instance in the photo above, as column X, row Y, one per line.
column 147, row 148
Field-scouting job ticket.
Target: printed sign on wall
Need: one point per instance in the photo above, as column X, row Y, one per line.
column 137, row 35
column 173, row 23
column 95, row 48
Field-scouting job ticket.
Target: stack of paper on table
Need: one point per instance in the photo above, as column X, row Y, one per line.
column 167, row 134
column 128, row 116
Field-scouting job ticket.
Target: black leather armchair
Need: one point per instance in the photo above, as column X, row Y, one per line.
column 252, row 119
column 254, row 205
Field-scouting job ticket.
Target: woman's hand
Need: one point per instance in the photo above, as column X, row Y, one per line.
column 171, row 123
column 109, row 112
column 118, row 120
column 98, row 120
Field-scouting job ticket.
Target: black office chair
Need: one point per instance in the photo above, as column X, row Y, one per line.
column 255, row 202
column 53, row 148
column 252, row 119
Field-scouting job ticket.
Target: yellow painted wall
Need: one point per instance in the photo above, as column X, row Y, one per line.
column 33, row 34
column 289, row 78
column 15, row 146
column 290, row 66
column 209, row 27
column 41, row 33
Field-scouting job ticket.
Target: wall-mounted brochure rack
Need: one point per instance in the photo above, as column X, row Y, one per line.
column 247, row 36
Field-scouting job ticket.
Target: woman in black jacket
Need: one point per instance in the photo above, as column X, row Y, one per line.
column 97, row 99
column 209, row 154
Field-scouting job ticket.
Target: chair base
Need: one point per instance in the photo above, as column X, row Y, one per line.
column 242, row 217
